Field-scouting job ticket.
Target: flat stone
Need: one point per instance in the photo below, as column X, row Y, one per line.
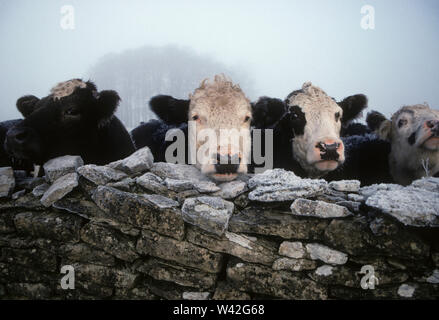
column 139, row 162
column 327, row 255
column 178, row 185
column 208, row 213
column 109, row 241
column 294, row 250
column 294, row 264
column 61, row 187
column 18, row 194
column 247, row 248
column 232, row 189
column 151, row 182
column 125, row 185
column 177, row 171
column 40, row 190
column 345, row 185
column 411, row 206
column 100, row 175
column 324, row 271
column 196, row 295
column 282, row 284
column 368, row 191
column 352, row 206
column 183, row 276
column 61, row 166
column 319, row 209
column 406, row 291
column 82, row 252
column 434, row 278
column 182, row 252
column 429, row 184
column 276, row 223
column 355, row 197
column 206, row 187
column 280, row 185
column 224, row 291
column 143, row 211
column 7, row 182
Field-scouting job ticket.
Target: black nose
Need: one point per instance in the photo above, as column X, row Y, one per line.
column 18, row 136
column 434, row 126
column 329, row 151
column 227, row 164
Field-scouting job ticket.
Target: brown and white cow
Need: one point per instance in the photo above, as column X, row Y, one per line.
column 413, row 132
column 218, row 115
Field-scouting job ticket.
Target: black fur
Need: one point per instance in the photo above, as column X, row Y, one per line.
column 366, row 161
column 7, row 160
column 374, row 120
column 152, row 134
column 172, row 111
column 352, row 107
column 412, row 138
column 82, row 123
column 354, row 129
column 267, row 112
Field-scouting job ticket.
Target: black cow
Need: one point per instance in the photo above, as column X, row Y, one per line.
column 75, row 119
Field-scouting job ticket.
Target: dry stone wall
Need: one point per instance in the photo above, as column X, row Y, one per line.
column 141, row 230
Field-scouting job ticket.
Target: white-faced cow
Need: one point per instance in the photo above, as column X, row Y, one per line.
column 306, row 137
column 218, row 107
column 75, row 119
column 413, row 134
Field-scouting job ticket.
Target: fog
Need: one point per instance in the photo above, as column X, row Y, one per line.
column 274, row 46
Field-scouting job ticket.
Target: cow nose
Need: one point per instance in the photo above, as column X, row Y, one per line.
column 329, row 149
column 18, row 136
column 433, row 125
column 227, row 163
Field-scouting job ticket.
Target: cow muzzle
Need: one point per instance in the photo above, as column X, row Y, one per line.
column 431, row 136
column 23, row 143
column 328, row 154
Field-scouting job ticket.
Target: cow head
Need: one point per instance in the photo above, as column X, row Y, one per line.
column 413, row 132
column 314, row 120
column 65, row 122
column 219, row 116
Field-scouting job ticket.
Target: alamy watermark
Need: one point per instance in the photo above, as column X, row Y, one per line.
column 67, row 21
column 369, row 280
column 68, row 281
column 368, row 18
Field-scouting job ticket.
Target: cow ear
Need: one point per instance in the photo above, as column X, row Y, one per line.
column 27, row 104
column 267, row 112
column 108, row 101
column 378, row 123
column 169, row 109
column 353, row 107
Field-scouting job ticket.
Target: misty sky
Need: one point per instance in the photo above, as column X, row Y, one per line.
column 281, row 44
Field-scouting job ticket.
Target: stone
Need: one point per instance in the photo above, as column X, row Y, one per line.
column 294, row 250
column 126, row 185
column 36, row 259
column 196, row 295
column 434, row 278
column 318, row 209
column 324, row 271
column 56, row 226
column 137, row 163
column 18, row 194
column 330, row 256
column 100, row 175
column 352, row 206
column 61, row 187
column 247, row 248
column 7, row 182
column 406, row 291
column 109, row 241
column 345, row 185
column 430, row 184
column 411, row 206
column 232, row 189
column 177, row 171
column 294, row 264
column 143, row 211
column 61, row 166
column 206, row 187
column 224, row 291
column 40, row 190
column 151, row 182
column 208, row 213
column 368, row 191
column 178, row 185
column 182, row 252
column 280, row 185
column 435, row 257
column 355, row 197
column 282, row 284
column 276, row 223
column 34, row 291
column 183, row 276
column 84, row 253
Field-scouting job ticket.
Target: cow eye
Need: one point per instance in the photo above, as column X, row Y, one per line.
column 72, row 112
column 195, row 117
column 402, row 122
column 247, row 119
column 337, row 116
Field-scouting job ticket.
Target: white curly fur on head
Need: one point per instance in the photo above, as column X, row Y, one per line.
column 66, row 88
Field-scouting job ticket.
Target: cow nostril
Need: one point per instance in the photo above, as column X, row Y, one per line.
column 430, row 124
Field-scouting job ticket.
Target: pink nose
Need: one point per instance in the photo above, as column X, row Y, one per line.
column 433, row 125
column 329, row 149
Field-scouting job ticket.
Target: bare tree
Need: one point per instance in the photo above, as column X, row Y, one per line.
column 139, row 74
